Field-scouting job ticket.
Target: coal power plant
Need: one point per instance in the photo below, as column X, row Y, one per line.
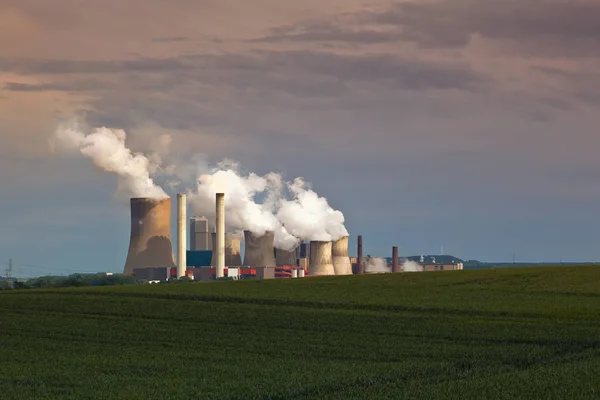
column 151, row 254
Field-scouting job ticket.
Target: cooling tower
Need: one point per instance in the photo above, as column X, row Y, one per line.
column 321, row 262
column 220, row 222
column 150, row 243
column 359, row 255
column 341, row 260
column 395, row 259
column 181, row 235
column 232, row 251
column 286, row 257
column 259, row 249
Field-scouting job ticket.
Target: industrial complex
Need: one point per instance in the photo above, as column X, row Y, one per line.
column 217, row 255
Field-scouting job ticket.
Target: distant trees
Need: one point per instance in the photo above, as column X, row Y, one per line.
column 75, row 280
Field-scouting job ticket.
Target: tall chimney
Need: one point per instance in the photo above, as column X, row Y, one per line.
column 359, row 263
column 395, row 259
column 259, row 249
column 213, row 260
column 220, row 267
column 341, row 260
column 321, row 262
column 181, row 235
column 150, row 243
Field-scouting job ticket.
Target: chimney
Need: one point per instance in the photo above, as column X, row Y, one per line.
column 150, row 243
column 259, row 249
column 341, row 260
column 181, row 235
column 213, row 260
column 395, row 259
column 220, row 209
column 321, row 262
column 359, row 261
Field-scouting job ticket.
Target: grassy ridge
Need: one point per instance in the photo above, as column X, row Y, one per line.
column 526, row 333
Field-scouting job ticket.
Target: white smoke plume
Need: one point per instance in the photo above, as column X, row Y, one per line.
column 376, row 265
column 412, row 266
column 309, row 216
column 252, row 202
column 107, row 150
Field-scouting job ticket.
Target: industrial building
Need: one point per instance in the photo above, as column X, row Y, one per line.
column 200, row 237
column 217, row 255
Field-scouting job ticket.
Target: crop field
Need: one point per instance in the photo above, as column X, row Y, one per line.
column 483, row 334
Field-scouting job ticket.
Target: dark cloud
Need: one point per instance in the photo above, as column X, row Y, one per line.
column 76, row 86
column 545, row 27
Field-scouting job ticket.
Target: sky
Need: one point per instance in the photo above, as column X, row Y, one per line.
column 464, row 123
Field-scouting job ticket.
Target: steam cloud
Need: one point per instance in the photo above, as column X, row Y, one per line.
column 412, row 266
column 106, row 148
column 308, row 216
column 374, row 265
column 252, row 202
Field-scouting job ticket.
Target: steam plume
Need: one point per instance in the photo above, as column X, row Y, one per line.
column 375, row 265
column 106, row 148
column 412, row 266
column 309, row 216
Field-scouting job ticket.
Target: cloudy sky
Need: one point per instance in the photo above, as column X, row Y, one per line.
column 465, row 123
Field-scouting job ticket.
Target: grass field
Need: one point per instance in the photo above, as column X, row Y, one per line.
column 493, row 334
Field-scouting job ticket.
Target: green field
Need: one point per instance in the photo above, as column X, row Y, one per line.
column 493, row 334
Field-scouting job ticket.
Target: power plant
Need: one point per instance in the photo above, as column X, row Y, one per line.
column 259, row 249
column 150, row 255
column 150, row 243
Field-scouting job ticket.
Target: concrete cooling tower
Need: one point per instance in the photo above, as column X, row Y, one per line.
column 233, row 256
column 150, row 243
column 341, row 260
column 259, row 249
column 321, row 262
column 286, row 257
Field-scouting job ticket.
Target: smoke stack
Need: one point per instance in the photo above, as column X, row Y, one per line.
column 220, row 209
column 320, row 258
column 286, row 257
column 259, row 249
column 213, row 260
column 181, row 235
column 150, row 243
column 395, row 259
column 341, row 260
column 359, row 261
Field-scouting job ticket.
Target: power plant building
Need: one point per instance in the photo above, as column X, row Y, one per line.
column 200, row 238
